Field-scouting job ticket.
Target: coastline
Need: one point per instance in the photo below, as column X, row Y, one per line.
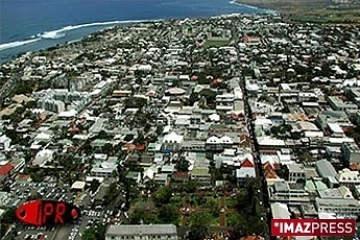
column 267, row 10
column 49, row 38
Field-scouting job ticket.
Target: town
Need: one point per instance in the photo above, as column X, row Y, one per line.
column 184, row 129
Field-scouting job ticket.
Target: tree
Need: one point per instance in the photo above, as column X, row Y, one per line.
column 89, row 234
column 199, row 227
column 111, row 194
column 169, row 214
column 143, row 212
column 102, row 135
column 9, row 216
column 182, row 165
column 94, row 185
column 189, row 187
column 163, row 195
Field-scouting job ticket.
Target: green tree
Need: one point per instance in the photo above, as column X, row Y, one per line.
column 102, row 135
column 169, row 214
column 163, row 195
column 89, row 234
column 143, row 212
column 94, row 185
column 111, row 194
column 182, row 165
column 189, row 187
column 9, row 216
column 199, row 227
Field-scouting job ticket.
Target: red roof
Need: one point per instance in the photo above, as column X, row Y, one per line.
column 247, row 163
column 6, row 169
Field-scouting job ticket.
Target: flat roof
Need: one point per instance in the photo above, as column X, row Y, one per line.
column 133, row 230
column 78, row 185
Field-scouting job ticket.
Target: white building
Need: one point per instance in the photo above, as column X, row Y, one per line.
column 143, row 232
column 341, row 207
column 42, row 157
column 5, row 143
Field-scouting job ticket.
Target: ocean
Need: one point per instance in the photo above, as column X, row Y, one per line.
column 32, row 25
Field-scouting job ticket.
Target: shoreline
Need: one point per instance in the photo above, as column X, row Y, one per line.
column 267, row 10
column 59, row 34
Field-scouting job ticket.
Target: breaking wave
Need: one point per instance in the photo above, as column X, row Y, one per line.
column 60, row 33
column 17, row 43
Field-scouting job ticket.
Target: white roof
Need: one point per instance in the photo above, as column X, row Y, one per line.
column 335, row 127
column 226, row 139
column 263, row 121
column 245, row 172
column 313, row 134
column 266, row 140
column 173, row 137
column 341, row 140
column 43, row 136
column 70, row 113
column 214, row 117
column 78, row 185
column 213, row 140
column 176, row 91
column 280, row 211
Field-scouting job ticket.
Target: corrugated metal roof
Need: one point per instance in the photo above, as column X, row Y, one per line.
column 132, row 230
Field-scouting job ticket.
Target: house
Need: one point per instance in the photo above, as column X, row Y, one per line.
column 351, row 153
column 341, row 207
column 201, row 175
column 42, row 157
column 5, row 143
column 178, row 178
column 142, row 232
column 296, row 172
column 247, row 170
column 337, row 104
column 4, row 198
column 5, row 170
column 102, row 172
column 348, row 178
column 162, row 179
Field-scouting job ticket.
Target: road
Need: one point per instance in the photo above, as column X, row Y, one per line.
column 255, row 150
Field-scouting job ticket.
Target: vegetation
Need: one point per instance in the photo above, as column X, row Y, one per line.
column 95, row 232
column 314, row 11
column 216, row 42
column 247, row 219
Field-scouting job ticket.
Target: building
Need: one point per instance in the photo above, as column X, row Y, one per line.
column 5, row 143
column 43, row 157
column 341, row 207
column 351, row 153
column 102, row 172
column 201, row 175
column 337, row 104
column 4, row 198
column 5, row 170
column 78, row 186
column 143, row 232
column 296, row 172
column 325, row 169
column 348, row 178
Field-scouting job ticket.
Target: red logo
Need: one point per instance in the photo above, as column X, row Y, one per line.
column 312, row 227
column 46, row 212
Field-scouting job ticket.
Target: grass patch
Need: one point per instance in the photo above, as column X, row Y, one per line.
column 216, row 42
